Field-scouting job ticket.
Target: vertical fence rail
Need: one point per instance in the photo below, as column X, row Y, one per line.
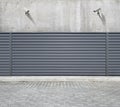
column 106, row 54
column 10, row 47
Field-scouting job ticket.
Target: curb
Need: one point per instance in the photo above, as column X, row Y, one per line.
column 58, row 78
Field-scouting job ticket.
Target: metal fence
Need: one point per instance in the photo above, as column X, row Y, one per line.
column 59, row 54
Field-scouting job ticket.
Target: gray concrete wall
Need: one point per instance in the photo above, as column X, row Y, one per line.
column 58, row 15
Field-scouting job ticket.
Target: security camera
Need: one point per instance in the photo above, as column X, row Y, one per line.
column 27, row 11
column 97, row 11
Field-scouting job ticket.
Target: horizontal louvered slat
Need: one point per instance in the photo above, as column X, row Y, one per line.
column 114, row 54
column 58, row 54
column 4, row 54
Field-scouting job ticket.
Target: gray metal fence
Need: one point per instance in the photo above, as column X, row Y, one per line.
column 59, row 54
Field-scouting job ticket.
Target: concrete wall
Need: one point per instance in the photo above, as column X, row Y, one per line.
column 58, row 15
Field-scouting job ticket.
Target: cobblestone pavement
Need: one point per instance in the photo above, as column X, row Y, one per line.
column 60, row 94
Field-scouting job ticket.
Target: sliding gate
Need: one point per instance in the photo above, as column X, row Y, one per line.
column 59, row 54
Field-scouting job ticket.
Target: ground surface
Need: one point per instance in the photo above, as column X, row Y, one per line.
column 60, row 94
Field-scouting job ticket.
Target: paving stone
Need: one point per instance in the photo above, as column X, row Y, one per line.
column 60, row 94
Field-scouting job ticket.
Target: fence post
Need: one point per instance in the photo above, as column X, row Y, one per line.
column 106, row 53
column 10, row 44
